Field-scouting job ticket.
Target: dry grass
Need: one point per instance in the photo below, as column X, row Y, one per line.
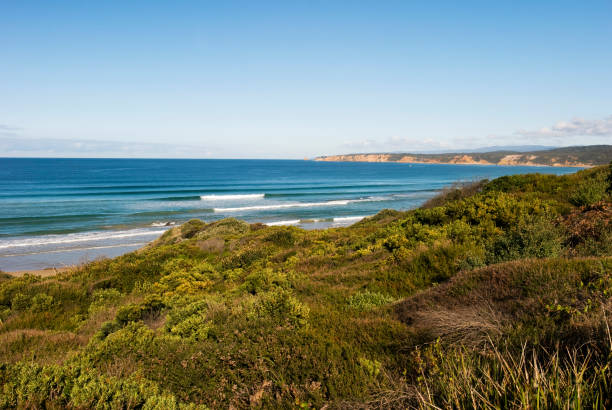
column 46, row 347
column 469, row 325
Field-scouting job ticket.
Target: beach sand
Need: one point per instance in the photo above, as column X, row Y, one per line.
column 41, row 272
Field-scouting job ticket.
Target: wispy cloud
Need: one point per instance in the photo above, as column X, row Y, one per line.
column 7, row 130
column 395, row 143
column 577, row 131
column 42, row 147
column 577, row 127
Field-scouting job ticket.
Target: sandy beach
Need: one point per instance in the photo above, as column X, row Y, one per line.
column 41, row 272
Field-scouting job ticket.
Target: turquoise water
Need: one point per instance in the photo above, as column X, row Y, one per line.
column 56, row 212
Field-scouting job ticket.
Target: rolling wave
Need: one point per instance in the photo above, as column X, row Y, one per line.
column 349, row 218
column 298, row 205
column 281, row 223
column 231, row 197
column 23, row 220
column 172, row 213
column 338, row 219
column 178, row 198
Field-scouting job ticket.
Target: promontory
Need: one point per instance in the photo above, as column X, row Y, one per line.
column 578, row 156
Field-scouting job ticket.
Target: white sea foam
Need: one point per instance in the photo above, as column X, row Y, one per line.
column 231, row 197
column 297, row 205
column 87, row 248
column 77, row 237
column 280, row 223
column 349, row 218
column 159, row 224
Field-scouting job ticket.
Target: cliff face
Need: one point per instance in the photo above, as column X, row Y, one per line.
column 561, row 157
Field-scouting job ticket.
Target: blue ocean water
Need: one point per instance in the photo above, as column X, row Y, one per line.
column 56, row 212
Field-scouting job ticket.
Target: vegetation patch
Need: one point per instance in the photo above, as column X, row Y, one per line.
column 496, row 294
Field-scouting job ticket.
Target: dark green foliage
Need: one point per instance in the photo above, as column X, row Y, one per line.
column 282, row 237
column 531, row 237
column 139, row 311
column 192, row 227
column 590, row 192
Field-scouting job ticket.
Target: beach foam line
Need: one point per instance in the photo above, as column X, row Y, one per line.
column 77, row 237
column 280, row 223
column 121, row 245
column 298, row 205
column 231, row 197
column 349, row 218
column 159, row 224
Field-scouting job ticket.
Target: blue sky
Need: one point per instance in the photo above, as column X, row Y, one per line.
column 299, row 79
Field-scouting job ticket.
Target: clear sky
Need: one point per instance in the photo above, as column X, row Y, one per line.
column 294, row 79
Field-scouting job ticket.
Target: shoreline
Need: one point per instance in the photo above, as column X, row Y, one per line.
column 337, row 158
column 46, row 272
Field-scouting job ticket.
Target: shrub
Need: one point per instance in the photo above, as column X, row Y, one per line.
column 41, row 303
column 103, row 298
column 371, row 367
column 265, row 279
column 139, row 311
column 189, row 321
column 532, row 237
column 279, row 305
column 367, row 300
column 223, row 228
column 245, row 258
column 20, row 301
column 192, row 227
column 282, row 237
column 590, row 191
column 195, row 327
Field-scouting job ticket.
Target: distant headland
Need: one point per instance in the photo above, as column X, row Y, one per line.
column 579, row 156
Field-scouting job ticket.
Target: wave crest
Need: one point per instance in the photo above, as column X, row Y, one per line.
column 231, row 197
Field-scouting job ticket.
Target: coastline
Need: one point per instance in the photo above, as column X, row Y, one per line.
column 455, row 161
column 47, row 272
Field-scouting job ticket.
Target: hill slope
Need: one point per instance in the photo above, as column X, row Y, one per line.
column 586, row 156
column 496, row 294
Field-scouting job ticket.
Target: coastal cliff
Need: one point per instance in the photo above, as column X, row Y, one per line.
column 583, row 157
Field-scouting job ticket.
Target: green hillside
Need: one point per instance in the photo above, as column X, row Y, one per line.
column 492, row 295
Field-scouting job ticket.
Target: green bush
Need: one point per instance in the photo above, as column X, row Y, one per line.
column 265, row 279
column 280, row 306
column 532, row 237
column 590, row 191
column 41, row 303
column 367, row 300
column 20, row 301
column 135, row 312
column 192, row 227
column 189, row 321
column 102, row 298
column 282, row 237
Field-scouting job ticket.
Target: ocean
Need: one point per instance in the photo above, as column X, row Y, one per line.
column 60, row 212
